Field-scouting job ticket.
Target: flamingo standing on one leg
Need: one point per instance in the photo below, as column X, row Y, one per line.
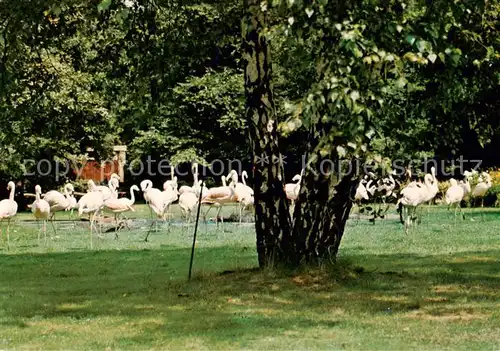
column 8, row 209
column 41, row 210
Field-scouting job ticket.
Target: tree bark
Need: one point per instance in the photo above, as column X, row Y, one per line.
column 272, row 222
column 321, row 213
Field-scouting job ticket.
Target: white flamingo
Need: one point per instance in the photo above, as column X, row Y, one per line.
column 196, row 188
column 91, row 204
column 187, row 203
column 41, row 211
column 170, row 195
column 107, row 191
column 243, row 194
column 292, row 190
column 411, row 197
column 218, row 196
column 120, row 206
column 482, row 187
column 454, row 195
column 433, row 190
column 361, row 194
column 156, row 201
column 173, row 180
column 8, row 209
column 465, row 184
column 60, row 202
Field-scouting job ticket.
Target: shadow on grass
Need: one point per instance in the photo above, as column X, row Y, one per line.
column 149, row 288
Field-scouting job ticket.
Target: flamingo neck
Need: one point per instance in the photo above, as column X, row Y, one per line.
column 66, row 192
column 37, row 194
column 132, row 196
column 11, row 195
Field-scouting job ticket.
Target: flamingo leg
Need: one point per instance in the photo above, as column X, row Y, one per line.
column 407, row 217
column 221, row 218
column 8, row 234
column 241, row 211
column 45, row 229
column 91, row 224
column 53, row 228
column 38, row 225
column 71, row 218
column 150, row 227
column 116, row 226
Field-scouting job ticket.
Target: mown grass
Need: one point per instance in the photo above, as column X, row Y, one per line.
column 436, row 288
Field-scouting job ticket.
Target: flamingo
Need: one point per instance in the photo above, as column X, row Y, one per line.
column 247, row 200
column 292, row 189
column 361, row 194
column 243, row 194
column 91, row 203
column 170, row 194
column 411, row 197
column 41, row 210
column 454, row 195
column 58, row 201
column 466, row 186
column 433, row 190
column 8, row 209
column 386, row 188
column 121, row 205
column 218, row 196
column 73, row 205
column 364, row 192
column 173, row 180
column 187, row 202
column 482, row 187
column 196, row 188
column 107, row 191
column 156, row 201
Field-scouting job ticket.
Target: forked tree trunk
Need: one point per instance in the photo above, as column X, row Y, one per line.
column 324, row 203
column 321, row 213
column 271, row 209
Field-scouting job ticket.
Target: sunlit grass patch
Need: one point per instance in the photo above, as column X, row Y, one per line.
column 436, row 288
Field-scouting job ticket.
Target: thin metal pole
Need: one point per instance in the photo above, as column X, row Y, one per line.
column 195, row 231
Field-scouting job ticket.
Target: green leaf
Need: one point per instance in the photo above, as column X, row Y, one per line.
column 103, row 5
column 401, row 82
column 341, row 151
column 410, row 39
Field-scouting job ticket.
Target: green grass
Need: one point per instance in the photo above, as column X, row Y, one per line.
column 436, row 288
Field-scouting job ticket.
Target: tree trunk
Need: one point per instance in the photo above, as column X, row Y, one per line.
column 321, row 213
column 272, row 222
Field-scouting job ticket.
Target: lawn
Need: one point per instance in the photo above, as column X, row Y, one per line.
column 436, row 288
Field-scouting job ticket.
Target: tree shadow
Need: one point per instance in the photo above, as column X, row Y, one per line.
column 150, row 287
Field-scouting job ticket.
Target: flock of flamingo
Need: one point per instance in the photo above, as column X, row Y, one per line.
column 100, row 199
column 417, row 193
